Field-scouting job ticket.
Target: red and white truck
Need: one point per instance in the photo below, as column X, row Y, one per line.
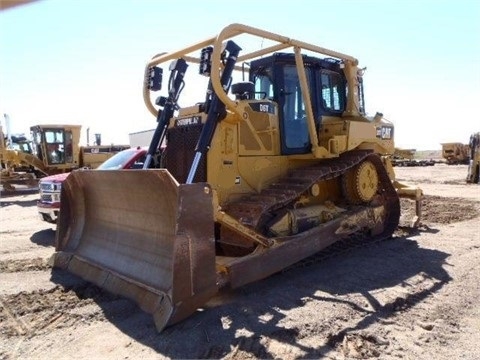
column 50, row 187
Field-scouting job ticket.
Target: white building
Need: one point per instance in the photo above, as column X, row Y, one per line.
column 141, row 138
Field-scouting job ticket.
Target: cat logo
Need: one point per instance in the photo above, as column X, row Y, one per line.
column 385, row 132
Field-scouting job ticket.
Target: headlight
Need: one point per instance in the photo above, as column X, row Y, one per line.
column 50, row 187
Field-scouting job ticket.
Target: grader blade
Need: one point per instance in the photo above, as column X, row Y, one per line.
column 140, row 234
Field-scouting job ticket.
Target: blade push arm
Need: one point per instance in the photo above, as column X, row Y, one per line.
column 216, row 109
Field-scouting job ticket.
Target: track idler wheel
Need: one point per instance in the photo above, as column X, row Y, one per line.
column 360, row 184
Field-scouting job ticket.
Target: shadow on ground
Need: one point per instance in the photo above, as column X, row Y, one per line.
column 44, row 237
column 18, row 191
column 6, row 201
column 249, row 318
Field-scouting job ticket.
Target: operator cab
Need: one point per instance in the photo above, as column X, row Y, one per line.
column 20, row 143
column 275, row 78
column 54, row 146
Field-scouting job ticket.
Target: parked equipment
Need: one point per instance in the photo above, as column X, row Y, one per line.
column 406, row 157
column 257, row 175
column 13, row 148
column 473, row 175
column 54, row 149
column 455, row 153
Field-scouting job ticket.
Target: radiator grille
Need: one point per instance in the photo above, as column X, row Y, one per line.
column 180, row 151
column 46, row 198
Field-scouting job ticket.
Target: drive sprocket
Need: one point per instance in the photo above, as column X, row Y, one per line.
column 360, row 184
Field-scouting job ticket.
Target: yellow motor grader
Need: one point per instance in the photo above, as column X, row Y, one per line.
column 256, row 175
column 53, row 149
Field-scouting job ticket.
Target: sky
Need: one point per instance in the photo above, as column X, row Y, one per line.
column 82, row 61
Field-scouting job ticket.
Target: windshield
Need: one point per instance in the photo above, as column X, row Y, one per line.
column 118, row 161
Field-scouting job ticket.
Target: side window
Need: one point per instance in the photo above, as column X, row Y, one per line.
column 263, row 86
column 361, row 98
column 333, row 91
column 295, row 124
column 37, row 144
column 68, row 147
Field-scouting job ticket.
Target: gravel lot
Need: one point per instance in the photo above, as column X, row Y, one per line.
column 414, row 296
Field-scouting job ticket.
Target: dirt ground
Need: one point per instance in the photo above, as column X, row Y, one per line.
column 414, row 296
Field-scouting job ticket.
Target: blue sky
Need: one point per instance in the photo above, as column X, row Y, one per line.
column 82, row 61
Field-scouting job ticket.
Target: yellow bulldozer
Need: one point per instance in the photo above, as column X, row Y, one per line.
column 52, row 149
column 256, row 175
column 473, row 175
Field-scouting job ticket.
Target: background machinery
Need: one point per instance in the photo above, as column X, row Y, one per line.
column 259, row 173
column 473, row 175
column 406, row 157
column 403, row 157
column 53, row 149
column 455, row 153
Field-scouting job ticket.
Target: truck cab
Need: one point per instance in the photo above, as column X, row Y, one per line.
column 50, row 187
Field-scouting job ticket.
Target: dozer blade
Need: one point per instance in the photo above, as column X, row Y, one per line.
column 140, row 234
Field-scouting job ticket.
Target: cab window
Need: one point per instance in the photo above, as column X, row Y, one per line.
column 55, row 146
column 264, row 85
column 296, row 134
column 333, row 91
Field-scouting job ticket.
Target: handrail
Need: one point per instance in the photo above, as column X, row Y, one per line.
column 227, row 33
